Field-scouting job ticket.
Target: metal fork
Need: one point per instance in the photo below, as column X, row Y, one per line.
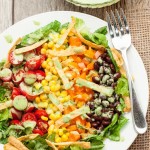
column 122, row 41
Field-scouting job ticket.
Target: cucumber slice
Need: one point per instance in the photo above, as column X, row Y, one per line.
column 29, row 124
column 30, row 78
column 20, row 102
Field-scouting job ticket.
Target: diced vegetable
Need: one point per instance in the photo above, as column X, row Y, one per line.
column 34, row 63
column 29, row 124
column 15, row 92
column 20, row 102
column 6, row 74
column 30, row 107
column 40, row 112
column 15, row 59
column 29, row 117
column 40, row 75
column 18, row 77
column 74, row 41
column 43, row 125
column 15, row 114
column 99, row 88
column 30, row 77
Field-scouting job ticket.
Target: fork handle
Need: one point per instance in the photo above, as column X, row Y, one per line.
column 139, row 120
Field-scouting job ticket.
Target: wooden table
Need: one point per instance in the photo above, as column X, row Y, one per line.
column 11, row 11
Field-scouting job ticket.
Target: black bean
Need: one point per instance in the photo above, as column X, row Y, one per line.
column 117, row 76
column 105, row 110
column 105, row 123
column 91, row 106
column 96, row 117
column 90, row 114
column 96, row 79
column 111, row 106
column 96, row 95
column 106, row 119
column 94, row 124
column 96, row 66
column 113, row 85
column 88, row 120
column 116, row 103
column 104, row 55
column 108, row 59
column 112, row 68
column 103, row 97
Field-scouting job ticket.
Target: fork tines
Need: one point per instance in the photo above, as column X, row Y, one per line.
column 114, row 22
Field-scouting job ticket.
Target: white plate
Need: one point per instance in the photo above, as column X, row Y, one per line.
column 26, row 26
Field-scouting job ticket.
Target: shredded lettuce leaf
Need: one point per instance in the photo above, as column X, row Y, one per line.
column 4, row 114
column 122, row 87
column 40, row 34
column 3, row 91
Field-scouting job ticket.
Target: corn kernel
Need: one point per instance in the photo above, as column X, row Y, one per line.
column 44, row 118
column 67, row 134
column 66, row 41
column 44, row 64
column 67, row 98
column 71, row 34
column 64, row 129
column 63, row 31
column 48, row 60
column 63, row 93
column 55, row 39
column 60, row 132
column 43, row 51
column 52, row 116
column 57, row 93
column 37, row 85
column 51, row 127
column 43, row 104
column 44, row 82
column 48, row 77
column 56, row 130
column 62, row 100
column 64, row 137
column 54, row 77
column 45, row 45
column 53, row 70
column 51, row 105
column 50, row 44
column 57, row 139
column 54, row 108
column 55, row 88
column 80, row 104
column 46, row 89
column 43, row 96
column 37, row 99
column 51, row 122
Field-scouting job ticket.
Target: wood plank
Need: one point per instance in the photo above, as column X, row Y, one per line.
column 32, row 7
column 5, row 14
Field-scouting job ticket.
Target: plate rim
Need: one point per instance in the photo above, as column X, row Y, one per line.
column 75, row 12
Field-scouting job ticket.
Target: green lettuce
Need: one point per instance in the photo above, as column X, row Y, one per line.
column 3, row 92
column 38, row 143
column 98, row 37
column 4, row 114
column 40, row 33
column 122, row 87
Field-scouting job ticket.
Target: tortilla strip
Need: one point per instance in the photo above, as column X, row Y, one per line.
column 64, row 36
column 81, row 144
column 51, row 144
column 29, row 48
column 15, row 142
column 9, row 147
column 28, row 137
column 127, row 104
column 71, row 50
column 89, row 43
column 5, row 105
column 58, row 67
column 118, row 57
column 7, row 63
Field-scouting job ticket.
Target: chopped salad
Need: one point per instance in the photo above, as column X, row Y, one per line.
column 62, row 87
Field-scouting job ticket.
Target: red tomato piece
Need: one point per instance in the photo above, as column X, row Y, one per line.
column 40, row 112
column 40, row 75
column 43, row 57
column 15, row 92
column 38, row 50
column 15, row 122
column 38, row 131
column 18, row 77
column 34, row 63
column 43, row 125
column 29, row 117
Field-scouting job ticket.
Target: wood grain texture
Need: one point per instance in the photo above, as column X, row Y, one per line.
column 5, row 14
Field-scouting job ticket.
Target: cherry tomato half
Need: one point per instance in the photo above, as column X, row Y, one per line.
column 29, row 117
column 15, row 122
column 43, row 125
column 40, row 112
column 38, row 131
column 15, row 92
